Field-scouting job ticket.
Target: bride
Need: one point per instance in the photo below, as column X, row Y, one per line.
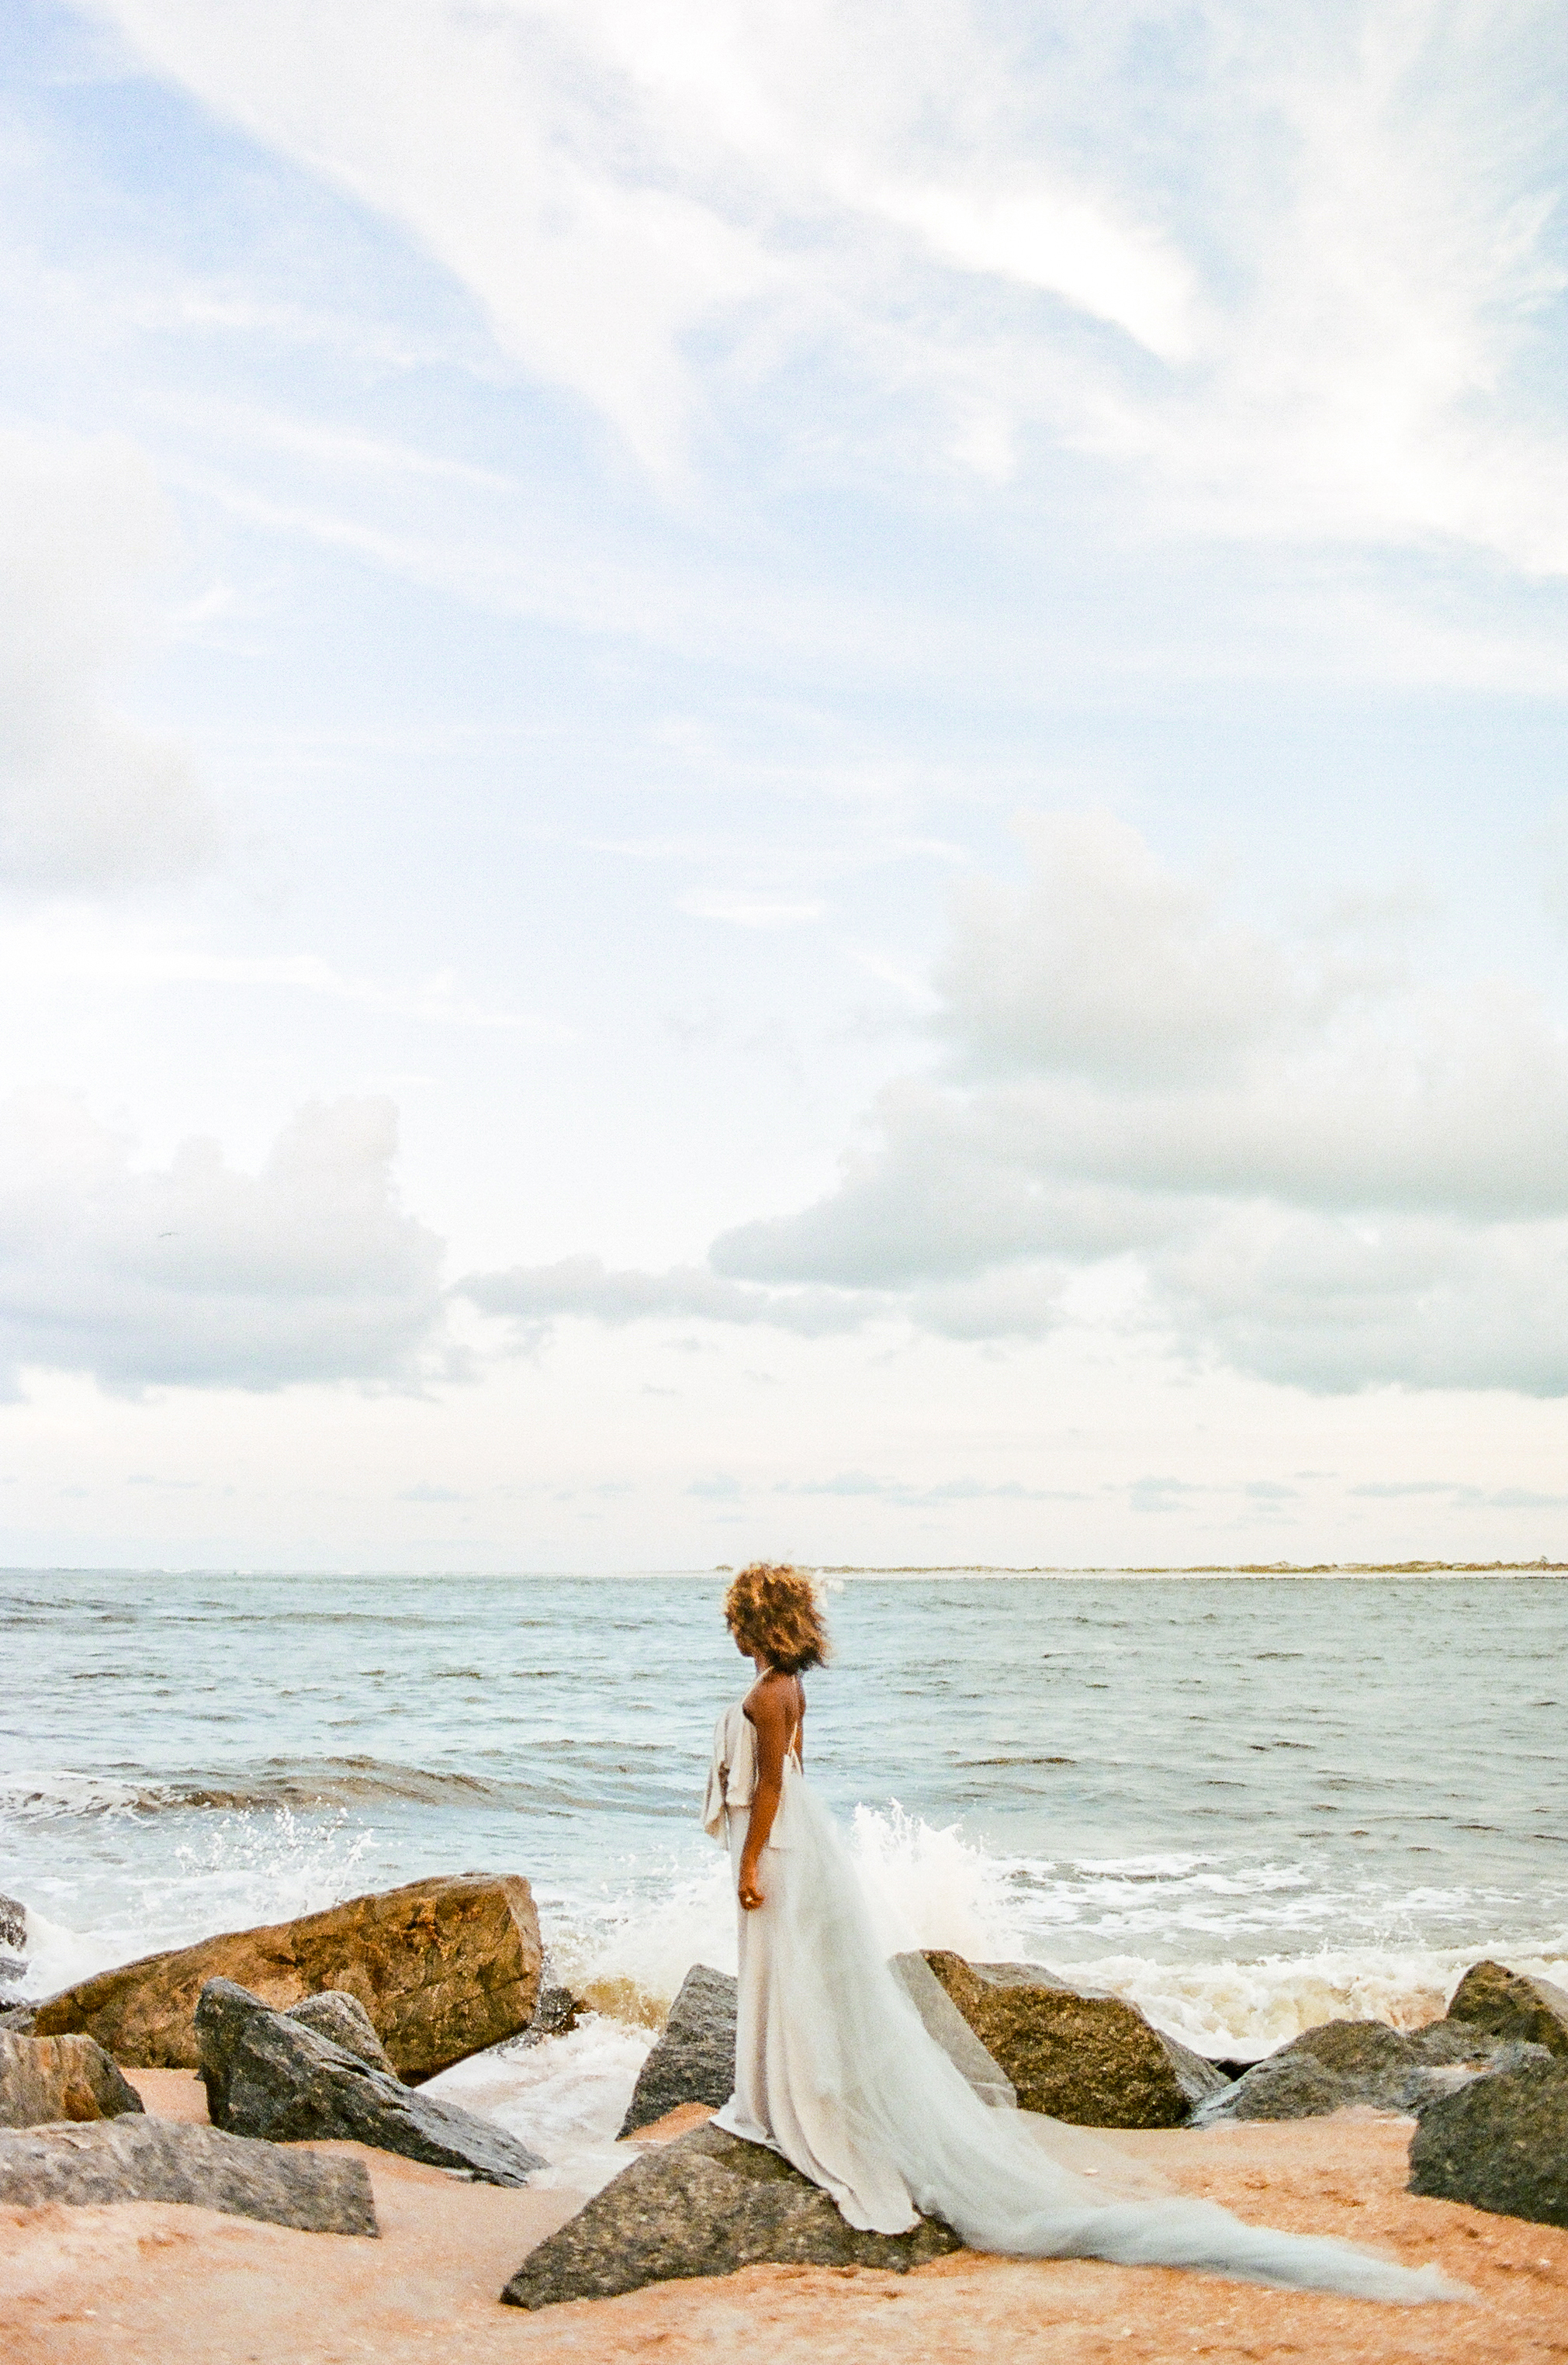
column 859, row 2069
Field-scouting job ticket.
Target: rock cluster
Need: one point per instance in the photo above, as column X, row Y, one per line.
column 269, row 2075
column 45, row 2078
column 1090, row 2060
column 443, row 1968
column 706, row 2204
column 1346, row 2062
column 139, row 2158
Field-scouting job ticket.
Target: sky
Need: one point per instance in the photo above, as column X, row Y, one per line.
column 782, row 782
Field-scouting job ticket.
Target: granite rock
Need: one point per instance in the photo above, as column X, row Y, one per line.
column 344, row 2020
column 161, row 2159
column 1090, row 2060
column 443, row 1968
column 13, row 1926
column 47, row 2079
column 1500, row 2144
column 268, row 2075
column 694, row 2059
column 1511, row 2004
column 706, row 2204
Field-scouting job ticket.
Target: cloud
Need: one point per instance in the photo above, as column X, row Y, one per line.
column 1257, row 1149
column 86, row 799
column 744, row 911
column 853, row 1484
column 1290, row 270
column 195, row 1275
column 64, row 946
column 536, row 1296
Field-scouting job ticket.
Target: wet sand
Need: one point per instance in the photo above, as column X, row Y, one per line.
column 154, row 2285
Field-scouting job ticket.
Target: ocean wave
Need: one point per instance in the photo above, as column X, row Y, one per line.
column 1239, row 2011
column 1226, row 1998
column 331, row 1782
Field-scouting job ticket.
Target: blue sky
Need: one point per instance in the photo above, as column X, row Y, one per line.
column 782, row 782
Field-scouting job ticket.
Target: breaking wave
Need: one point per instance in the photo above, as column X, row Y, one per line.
column 329, row 1782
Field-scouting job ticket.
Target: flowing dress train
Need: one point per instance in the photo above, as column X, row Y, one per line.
column 836, row 2070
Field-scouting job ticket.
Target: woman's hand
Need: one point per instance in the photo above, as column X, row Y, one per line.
column 750, row 1895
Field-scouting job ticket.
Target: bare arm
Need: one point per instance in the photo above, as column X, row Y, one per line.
column 769, row 1707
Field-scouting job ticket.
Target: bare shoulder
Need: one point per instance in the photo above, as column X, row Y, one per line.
column 775, row 1699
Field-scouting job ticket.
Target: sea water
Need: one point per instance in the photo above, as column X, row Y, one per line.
column 1248, row 1804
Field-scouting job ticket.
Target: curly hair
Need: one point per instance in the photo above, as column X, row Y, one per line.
column 772, row 1612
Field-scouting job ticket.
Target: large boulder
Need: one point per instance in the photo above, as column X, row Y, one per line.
column 342, row 2020
column 267, row 2075
column 1090, row 2060
column 1501, row 2144
column 704, row 2206
column 1510, row 2003
column 444, row 1967
column 45, row 2078
column 161, row 2159
column 694, row 2060
column 1346, row 2062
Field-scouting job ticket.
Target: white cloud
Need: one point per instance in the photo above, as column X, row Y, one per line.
column 1107, row 967
column 196, row 1275
column 77, row 945
column 1290, row 268
column 534, row 1297
column 1256, row 1150
column 85, row 797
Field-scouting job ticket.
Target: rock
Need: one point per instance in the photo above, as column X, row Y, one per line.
column 1286, row 2086
column 945, row 2026
column 444, row 1967
column 1500, row 2144
column 694, row 2060
column 343, row 2021
column 268, row 2075
column 13, row 1926
column 18, row 2019
column 46, row 2079
column 1090, row 2060
column 161, row 2159
column 555, row 2015
column 1345, row 2062
column 705, row 2204
column 1509, row 2004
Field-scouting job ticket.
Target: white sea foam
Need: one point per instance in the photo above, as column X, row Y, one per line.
column 243, row 1869
column 1240, row 2011
column 28, row 1796
column 565, row 2097
column 1228, row 1999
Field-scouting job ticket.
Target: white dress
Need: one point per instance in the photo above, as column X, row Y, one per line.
column 837, row 2069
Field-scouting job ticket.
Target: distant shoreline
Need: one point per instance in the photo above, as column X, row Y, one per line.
column 1220, row 1568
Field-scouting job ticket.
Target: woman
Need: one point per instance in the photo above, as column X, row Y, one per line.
column 861, row 2073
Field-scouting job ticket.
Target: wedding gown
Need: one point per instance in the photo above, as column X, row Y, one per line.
column 885, row 2098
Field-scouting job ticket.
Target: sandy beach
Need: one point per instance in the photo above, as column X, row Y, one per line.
column 153, row 2285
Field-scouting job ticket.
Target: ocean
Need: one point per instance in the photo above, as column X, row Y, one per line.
column 1247, row 1803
